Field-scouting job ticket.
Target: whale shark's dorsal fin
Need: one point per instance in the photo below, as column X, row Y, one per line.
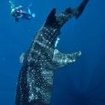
column 51, row 19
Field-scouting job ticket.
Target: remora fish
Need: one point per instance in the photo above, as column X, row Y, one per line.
column 36, row 76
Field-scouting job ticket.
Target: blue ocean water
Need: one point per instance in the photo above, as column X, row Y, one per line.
column 82, row 83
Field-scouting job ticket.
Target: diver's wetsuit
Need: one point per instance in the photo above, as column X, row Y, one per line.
column 21, row 15
column 18, row 13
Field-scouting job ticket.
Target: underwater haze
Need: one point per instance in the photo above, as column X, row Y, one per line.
column 81, row 83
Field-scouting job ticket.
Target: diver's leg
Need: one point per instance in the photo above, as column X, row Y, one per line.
column 61, row 59
column 27, row 16
column 32, row 14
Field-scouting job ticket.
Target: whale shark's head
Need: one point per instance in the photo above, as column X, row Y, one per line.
column 49, row 33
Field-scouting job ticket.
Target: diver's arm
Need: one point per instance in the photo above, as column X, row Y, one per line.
column 15, row 7
column 11, row 4
column 19, row 7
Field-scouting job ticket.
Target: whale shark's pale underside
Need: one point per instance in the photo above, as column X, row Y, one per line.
column 35, row 80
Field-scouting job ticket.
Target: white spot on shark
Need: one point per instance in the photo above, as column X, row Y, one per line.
column 21, row 59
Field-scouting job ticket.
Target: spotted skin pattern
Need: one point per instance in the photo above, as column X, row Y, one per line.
column 35, row 80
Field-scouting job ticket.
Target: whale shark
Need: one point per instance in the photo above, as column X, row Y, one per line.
column 35, row 80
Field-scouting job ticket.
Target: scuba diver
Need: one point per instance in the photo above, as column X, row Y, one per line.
column 18, row 13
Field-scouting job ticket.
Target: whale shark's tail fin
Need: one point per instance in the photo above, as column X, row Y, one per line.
column 51, row 19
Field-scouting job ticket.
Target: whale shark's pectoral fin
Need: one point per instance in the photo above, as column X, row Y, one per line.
column 61, row 59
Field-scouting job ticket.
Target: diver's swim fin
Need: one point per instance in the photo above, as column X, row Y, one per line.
column 81, row 8
column 51, row 19
column 32, row 14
